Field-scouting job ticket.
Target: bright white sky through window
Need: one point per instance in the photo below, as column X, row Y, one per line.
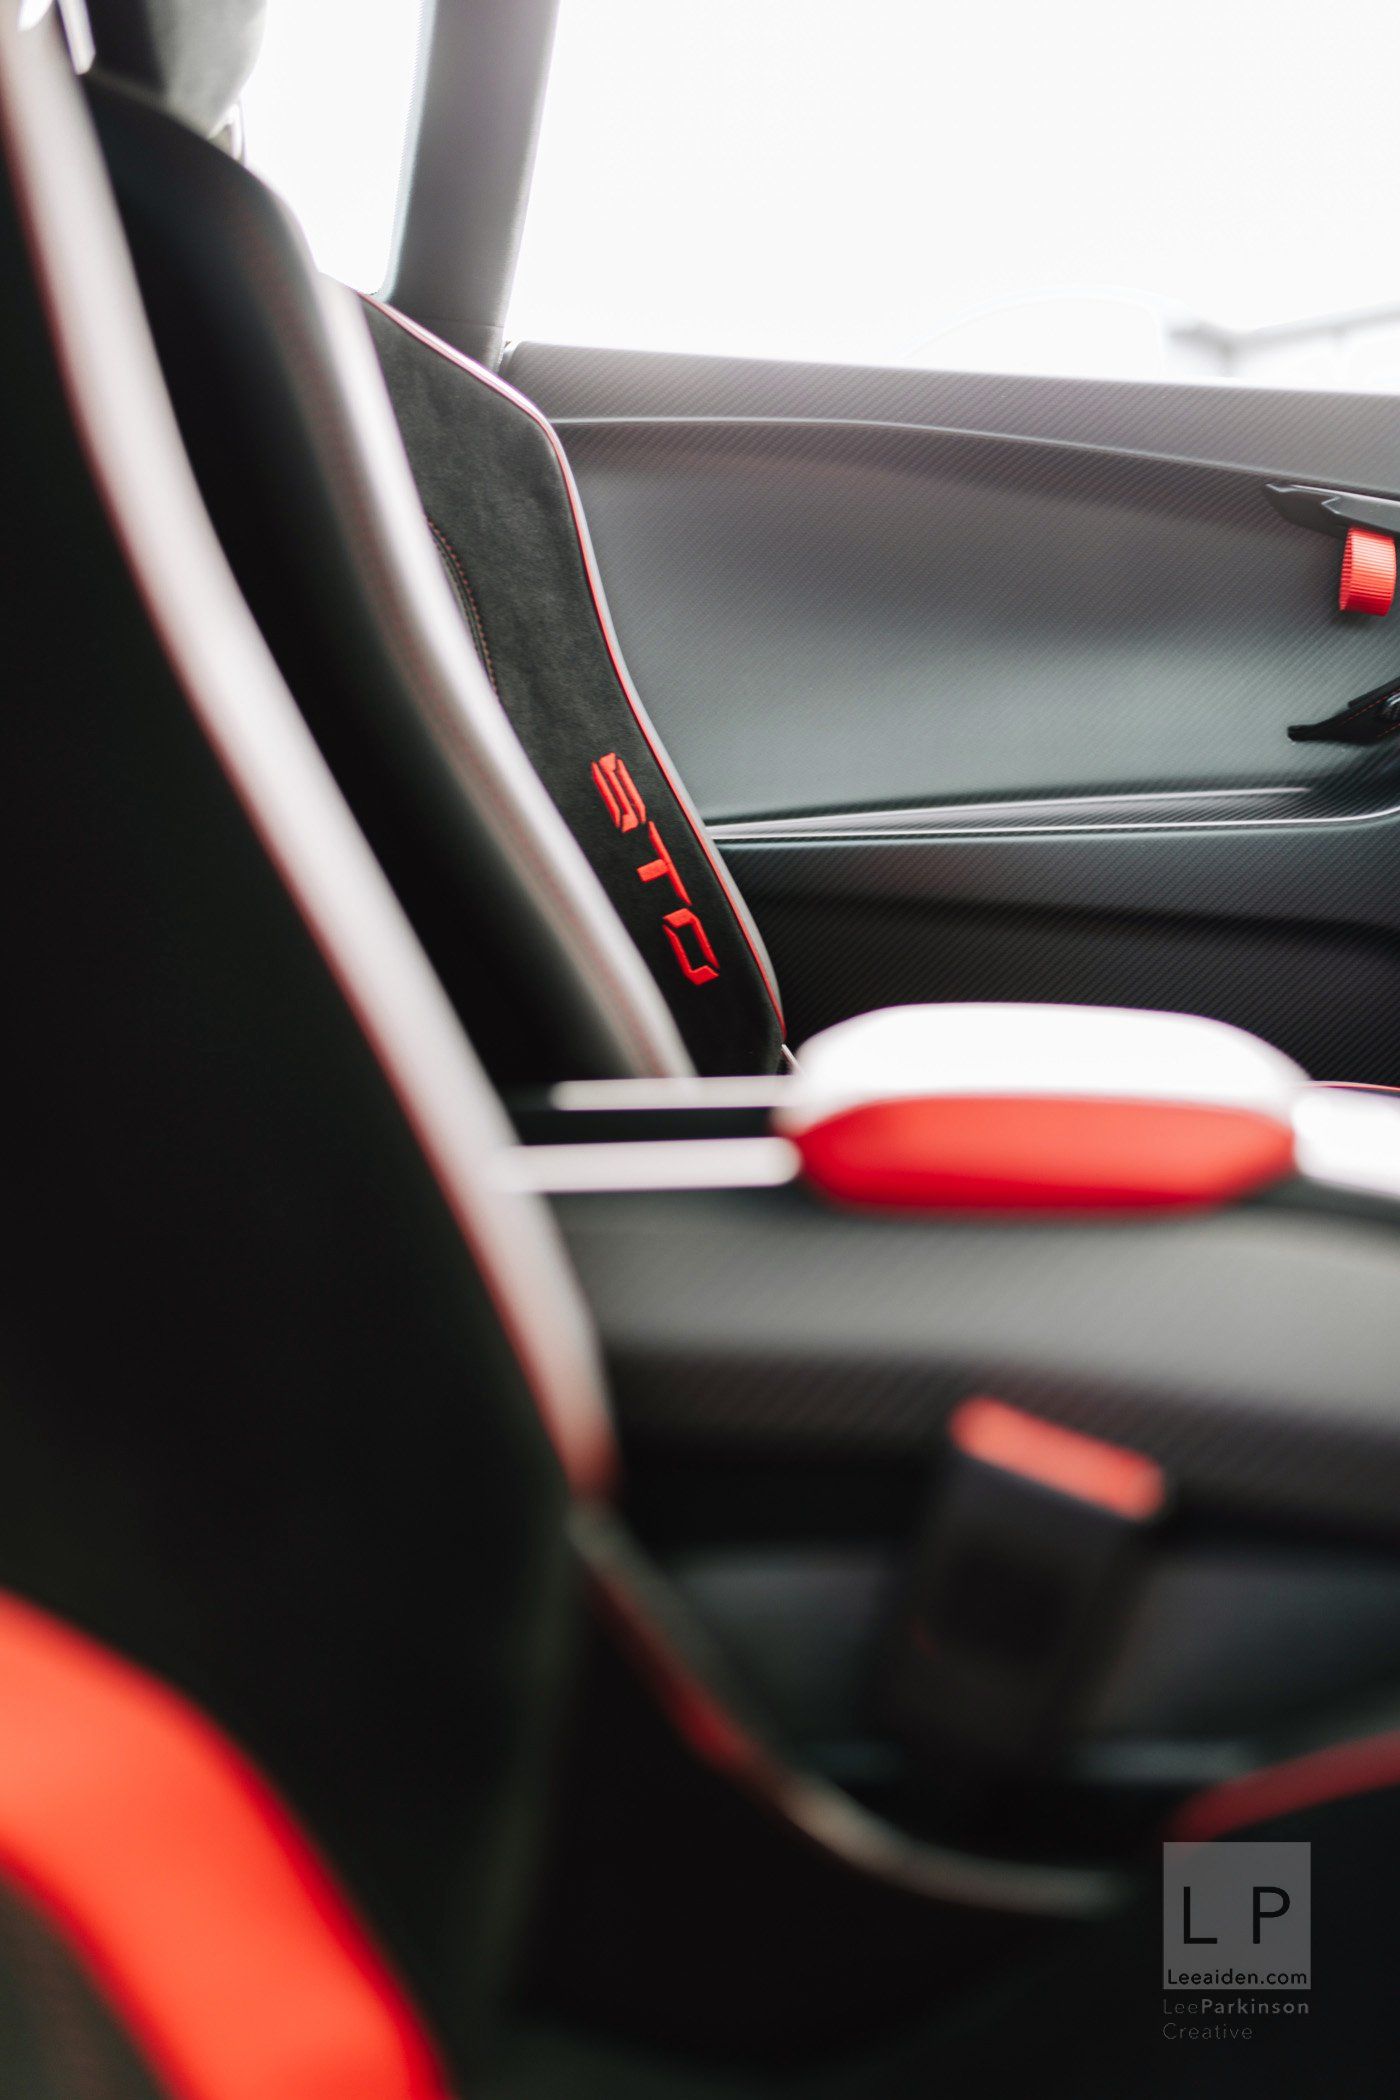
column 325, row 115
column 1028, row 185
column 1024, row 184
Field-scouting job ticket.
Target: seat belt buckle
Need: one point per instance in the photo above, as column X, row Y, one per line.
column 1025, row 1567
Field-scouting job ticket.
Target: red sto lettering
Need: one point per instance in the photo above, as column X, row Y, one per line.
column 623, row 802
column 675, row 924
column 619, row 792
column 663, row 865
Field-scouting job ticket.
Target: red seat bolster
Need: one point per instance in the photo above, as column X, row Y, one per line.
column 181, row 1886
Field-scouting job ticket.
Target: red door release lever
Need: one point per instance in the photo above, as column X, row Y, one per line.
column 1368, row 572
column 1369, row 525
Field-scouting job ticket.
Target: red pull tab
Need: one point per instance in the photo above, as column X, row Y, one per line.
column 1368, row 572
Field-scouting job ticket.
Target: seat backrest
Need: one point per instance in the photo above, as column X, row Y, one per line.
column 580, row 916
column 505, row 509
column 294, row 1392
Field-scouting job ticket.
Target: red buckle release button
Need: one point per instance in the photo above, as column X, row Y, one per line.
column 1368, row 572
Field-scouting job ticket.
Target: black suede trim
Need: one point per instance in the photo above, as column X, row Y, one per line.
column 466, row 599
column 494, row 491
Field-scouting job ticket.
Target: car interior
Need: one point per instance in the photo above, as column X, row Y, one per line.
column 701, row 1322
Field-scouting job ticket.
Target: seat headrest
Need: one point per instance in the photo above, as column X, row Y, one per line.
column 193, row 56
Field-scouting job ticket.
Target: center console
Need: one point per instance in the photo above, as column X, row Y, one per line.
column 1010, row 1423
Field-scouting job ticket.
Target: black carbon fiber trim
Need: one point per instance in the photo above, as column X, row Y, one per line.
column 1346, row 440
column 853, row 927
column 1256, row 1354
column 915, row 615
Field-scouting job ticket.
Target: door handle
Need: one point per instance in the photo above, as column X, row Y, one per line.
column 1334, row 511
column 1369, row 525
